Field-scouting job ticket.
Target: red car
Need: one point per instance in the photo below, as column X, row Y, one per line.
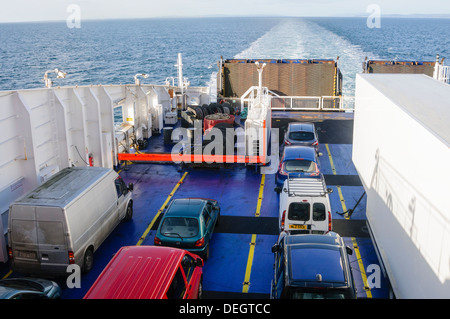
column 149, row 272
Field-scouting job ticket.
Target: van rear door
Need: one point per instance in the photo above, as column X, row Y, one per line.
column 298, row 216
column 53, row 252
column 308, row 215
column 320, row 215
column 23, row 237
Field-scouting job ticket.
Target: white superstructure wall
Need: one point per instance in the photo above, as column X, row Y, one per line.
column 45, row 130
column 402, row 155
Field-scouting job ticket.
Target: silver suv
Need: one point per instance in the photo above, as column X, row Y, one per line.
column 300, row 133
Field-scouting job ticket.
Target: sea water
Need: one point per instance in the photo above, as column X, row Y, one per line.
column 113, row 51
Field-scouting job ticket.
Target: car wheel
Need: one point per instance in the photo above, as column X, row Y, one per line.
column 206, row 253
column 218, row 219
column 129, row 212
column 88, row 260
column 200, row 289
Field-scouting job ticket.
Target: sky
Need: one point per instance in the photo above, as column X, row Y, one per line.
column 60, row 10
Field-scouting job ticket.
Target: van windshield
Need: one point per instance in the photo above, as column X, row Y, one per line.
column 183, row 227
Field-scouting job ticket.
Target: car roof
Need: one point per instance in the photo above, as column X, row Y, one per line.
column 297, row 151
column 299, row 126
column 137, row 272
column 186, row 207
column 309, row 255
column 12, row 286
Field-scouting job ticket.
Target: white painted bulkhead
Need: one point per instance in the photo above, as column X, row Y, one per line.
column 45, row 130
column 401, row 152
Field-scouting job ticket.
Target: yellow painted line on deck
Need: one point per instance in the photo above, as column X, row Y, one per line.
column 341, row 197
column 331, row 159
column 251, row 252
column 260, row 195
column 355, row 245
column 7, row 275
column 248, row 269
column 144, row 235
column 361, row 268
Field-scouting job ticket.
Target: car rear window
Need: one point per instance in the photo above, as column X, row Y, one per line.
column 300, row 166
column 299, row 211
column 180, row 227
column 301, row 136
column 319, row 212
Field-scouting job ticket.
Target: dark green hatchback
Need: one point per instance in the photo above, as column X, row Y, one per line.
column 188, row 223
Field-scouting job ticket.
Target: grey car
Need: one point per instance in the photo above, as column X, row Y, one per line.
column 29, row 288
column 300, row 133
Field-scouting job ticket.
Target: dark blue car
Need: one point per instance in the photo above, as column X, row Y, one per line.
column 312, row 267
column 297, row 161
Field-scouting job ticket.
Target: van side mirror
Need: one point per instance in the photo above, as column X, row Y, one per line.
column 349, row 250
column 130, row 187
column 275, row 248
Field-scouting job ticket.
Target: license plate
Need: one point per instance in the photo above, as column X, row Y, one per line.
column 298, row 227
column 27, row 254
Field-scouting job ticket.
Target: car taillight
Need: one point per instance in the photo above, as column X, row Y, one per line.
column 71, row 257
column 315, row 143
column 157, row 241
column 282, row 220
column 286, row 142
column 329, row 220
column 200, row 242
column 10, row 253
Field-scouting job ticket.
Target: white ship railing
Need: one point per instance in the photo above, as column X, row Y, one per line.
column 315, row 103
column 302, row 103
column 443, row 74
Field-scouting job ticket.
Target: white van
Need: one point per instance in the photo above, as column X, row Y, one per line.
column 65, row 220
column 305, row 206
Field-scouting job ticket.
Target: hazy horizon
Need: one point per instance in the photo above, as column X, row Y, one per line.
column 61, row 10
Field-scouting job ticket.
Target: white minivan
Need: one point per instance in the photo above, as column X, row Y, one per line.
column 305, row 206
column 66, row 219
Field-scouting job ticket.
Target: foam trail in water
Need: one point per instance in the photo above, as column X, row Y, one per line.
column 298, row 38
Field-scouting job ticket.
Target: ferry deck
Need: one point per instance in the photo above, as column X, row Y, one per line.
column 240, row 265
column 241, row 262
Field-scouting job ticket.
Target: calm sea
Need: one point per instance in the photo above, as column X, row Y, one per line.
column 112, row 52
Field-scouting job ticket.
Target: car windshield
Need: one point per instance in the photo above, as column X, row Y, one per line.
column 301, row 136
column 300, row 166
column 181, row 227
